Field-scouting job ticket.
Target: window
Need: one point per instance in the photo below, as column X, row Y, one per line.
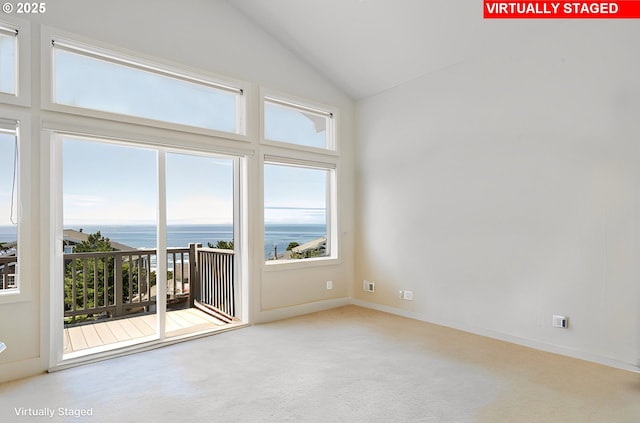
column 8, row 60
column 8, row 206
column 299, row 182
column 102, row 81
column 297, row 210
column 292, row 123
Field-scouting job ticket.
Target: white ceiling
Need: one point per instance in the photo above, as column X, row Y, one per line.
column 368, row 46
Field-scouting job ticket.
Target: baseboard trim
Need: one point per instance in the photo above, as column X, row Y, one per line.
column 21, row 369
column 537, row 345
column 266, row 316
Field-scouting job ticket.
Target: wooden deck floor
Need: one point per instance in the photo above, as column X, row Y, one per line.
column 105, row 333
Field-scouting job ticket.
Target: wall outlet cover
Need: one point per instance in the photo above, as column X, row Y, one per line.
column 560, row 321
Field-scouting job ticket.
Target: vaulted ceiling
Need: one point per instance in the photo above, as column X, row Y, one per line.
column 368, row 46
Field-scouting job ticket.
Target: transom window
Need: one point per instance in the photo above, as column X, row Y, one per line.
column 293, row 123
column 104, row 81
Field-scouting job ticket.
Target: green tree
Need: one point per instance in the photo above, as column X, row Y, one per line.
column 92, row 271
column 95, row 242
column 99, row 273
column 292, row 245
column 222, row 245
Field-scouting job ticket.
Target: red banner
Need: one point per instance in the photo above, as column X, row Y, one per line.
column 622, row 9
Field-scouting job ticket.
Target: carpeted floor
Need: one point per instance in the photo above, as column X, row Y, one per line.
column 344, row 365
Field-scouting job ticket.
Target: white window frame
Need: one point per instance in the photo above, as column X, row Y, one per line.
column 296, row 103
column 297, row 160
column 22, row 97
column 140, row 61
column 26, row 250
column 286, row 153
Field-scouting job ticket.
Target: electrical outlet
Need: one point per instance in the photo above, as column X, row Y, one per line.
column 408, row 295
column 560, row 321
column 401, row 294
column 368, row 286
column 329, row 284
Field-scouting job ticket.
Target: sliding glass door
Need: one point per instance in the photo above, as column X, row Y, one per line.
column 148, row 240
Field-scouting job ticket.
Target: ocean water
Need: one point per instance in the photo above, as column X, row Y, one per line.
column 144, row 236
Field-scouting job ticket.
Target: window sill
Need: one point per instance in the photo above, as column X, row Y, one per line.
column 14, row 296
column 280, row 265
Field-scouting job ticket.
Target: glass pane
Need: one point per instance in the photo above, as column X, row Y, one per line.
column 199, row 201
column 200, row 195
column 8, row 64
column 8, row 212
column 96, row 84
column 294, row 126
column 109, row 184
column 110, row 260
column 295, row 212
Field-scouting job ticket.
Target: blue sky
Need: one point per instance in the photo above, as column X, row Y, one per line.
column 294, row 194
column 112, row 184
column 290, row 125
column 101, row 85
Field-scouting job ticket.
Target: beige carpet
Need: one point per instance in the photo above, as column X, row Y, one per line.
column 344, row 365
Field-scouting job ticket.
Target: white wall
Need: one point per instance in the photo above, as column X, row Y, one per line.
column 505, row 189
column 198, row 34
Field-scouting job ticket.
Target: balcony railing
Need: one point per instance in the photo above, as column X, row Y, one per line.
column 216, row 287
column 120, row 283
